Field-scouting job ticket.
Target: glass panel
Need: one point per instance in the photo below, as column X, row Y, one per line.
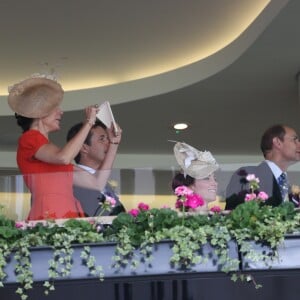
column 132, row 186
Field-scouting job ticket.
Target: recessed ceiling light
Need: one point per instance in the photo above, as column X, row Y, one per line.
column 180, row 126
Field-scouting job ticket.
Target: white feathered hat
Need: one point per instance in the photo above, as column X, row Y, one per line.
column 193, row 162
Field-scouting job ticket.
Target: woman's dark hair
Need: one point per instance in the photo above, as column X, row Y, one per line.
column 24, row 122
column 266, row 143
column 179, row 180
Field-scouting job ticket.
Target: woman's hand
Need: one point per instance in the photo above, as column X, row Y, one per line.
column 91, row 114
column 51, row 153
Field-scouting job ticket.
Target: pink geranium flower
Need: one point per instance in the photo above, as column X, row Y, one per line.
column 111, row 201
column 165, row 207
column 134, row 212
column 263, row 196
column 250, row 197
column 215, row 209
column 143, row 206
column 19, row 225
column 193, row 201
column 251, row 177
column 183, row 191
column 179, row 203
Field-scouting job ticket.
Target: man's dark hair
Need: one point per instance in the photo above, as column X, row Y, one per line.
column 75, row 129
column 266, row 143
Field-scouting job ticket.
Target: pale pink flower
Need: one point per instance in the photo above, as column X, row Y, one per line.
column 263, row 196
column 251, row 177
column 134, row 212
column 165, row 206
column 111, row 201
column 250, row 197
column 143, row 206
column 183, row 190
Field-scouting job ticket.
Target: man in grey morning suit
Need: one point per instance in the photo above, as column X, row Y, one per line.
column 90, row 159
column 281, row 148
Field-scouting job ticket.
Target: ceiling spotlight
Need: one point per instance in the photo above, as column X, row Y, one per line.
column 180, row 126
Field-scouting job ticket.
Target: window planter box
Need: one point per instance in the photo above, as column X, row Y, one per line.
column 159, row 264
column 158, row 281
column 289, row 256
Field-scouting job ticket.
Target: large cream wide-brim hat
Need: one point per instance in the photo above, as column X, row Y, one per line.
column 35, row 97
column 195, row 163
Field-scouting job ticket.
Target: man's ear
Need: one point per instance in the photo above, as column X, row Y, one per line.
column 277, row 142
column 84, row 148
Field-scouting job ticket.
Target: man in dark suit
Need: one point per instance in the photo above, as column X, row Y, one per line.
column 281, row 148
column 90, row 158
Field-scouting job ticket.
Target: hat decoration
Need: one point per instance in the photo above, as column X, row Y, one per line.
column 195, row 163
column 36, row 96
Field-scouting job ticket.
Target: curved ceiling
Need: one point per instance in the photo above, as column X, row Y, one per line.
column 98, row 43
column 227, row 67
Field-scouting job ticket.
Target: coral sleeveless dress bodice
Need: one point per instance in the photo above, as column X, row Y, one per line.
column 51, row 185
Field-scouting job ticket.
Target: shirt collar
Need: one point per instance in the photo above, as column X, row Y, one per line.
column 89, row 169
column 274, row 168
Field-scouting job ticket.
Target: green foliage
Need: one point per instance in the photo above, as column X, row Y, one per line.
column 17, row 242
column 147, row 221
column 252, row 213
column 256, row 222
column 8, row 232
column 249, row 224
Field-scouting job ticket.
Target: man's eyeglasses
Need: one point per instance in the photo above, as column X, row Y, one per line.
column 294, row 138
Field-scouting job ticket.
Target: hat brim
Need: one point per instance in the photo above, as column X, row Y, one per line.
column 35, row 97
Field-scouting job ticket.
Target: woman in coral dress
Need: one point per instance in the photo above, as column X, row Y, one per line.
column 47, row 169
column 50, row 184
